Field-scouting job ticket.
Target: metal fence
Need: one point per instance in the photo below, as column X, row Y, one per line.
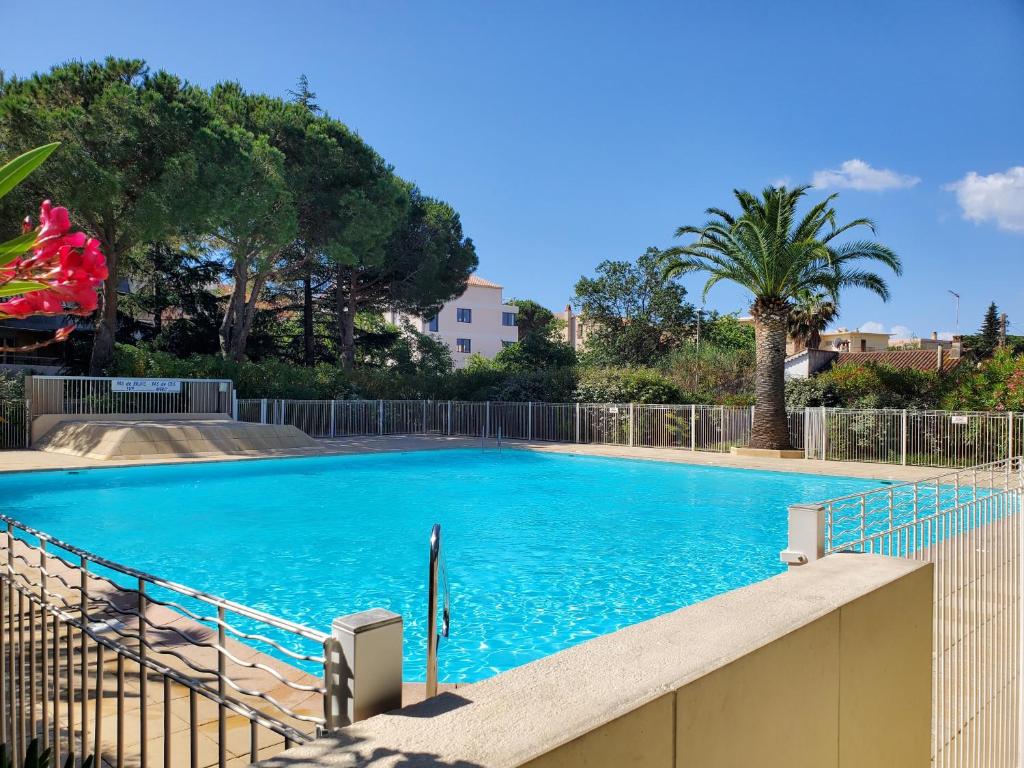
column 968, row 523
column 111, row 395
column 14, row 424
column 693, row 427
column 915, row 438
column 97, row 658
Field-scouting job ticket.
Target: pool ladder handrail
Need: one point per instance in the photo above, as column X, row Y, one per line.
column 436, row 568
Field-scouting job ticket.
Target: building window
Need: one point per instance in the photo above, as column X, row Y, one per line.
column 506, row 343
column 432, row 324
column 509, row 318
column 463, row 345
column 464, row 315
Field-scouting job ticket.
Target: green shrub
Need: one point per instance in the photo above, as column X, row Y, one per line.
column 626, row 385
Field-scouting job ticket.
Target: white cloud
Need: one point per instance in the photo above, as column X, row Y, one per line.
column 998, row 197
column 784, row 181
column 896, row 331
column 856, row 174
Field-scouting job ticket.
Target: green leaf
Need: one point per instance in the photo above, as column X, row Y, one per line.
column 16, row 246
column 19, row 287
column 15, row 171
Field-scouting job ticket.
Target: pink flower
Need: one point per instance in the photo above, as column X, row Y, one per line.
column 71, row 265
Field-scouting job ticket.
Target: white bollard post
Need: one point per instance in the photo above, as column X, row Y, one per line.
column 806, row 534
column 364, row 671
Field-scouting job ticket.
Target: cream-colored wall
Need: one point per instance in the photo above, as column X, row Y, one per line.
column 825, row 666
column 43, row 424
column 485, row 332
column 873, row 342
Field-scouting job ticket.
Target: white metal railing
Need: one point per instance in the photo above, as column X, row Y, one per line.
column 80, row 395
column 916, row 438
column 968, row 524
column 14, row 424
column 79, row 634
column 693, row 427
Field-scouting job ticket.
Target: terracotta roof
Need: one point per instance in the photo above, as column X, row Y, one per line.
column 479, row 281
column 919, row 359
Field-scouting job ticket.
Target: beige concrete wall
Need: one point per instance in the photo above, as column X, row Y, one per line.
column 486, row 332
column 826, row 666
column 43, row 424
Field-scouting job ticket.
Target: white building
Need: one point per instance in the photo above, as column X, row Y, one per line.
column 477, row 322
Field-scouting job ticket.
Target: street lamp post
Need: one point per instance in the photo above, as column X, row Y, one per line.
column 956, row 296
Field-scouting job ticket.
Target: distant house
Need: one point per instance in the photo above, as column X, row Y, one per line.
column 477, row 322
column 809, row 362
column 574, row 332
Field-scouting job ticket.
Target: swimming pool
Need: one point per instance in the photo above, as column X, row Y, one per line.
column 543, row 550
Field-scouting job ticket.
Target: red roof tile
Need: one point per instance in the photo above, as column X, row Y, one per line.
column 919, row 359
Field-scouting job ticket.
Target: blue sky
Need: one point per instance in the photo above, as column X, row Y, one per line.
column 567, row 133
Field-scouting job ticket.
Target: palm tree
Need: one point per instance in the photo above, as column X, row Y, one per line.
column 810, row 315
column 778, row 258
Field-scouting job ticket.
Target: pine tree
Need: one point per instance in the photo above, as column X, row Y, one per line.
column 989, row 335
column 304, row 96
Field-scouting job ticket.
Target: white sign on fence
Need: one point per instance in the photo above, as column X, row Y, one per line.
column 959, row 419
column 171, row 386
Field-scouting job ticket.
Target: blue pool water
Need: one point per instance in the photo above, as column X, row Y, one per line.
column 543, row 551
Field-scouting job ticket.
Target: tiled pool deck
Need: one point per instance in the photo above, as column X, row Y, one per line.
column 29, row 460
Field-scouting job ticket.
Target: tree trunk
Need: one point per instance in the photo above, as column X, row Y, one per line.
column 814, row 340
column 345, row 306
column 308, row 351
column 106, row 320
column 248, row 314
column 770, row 427
column 232, row 312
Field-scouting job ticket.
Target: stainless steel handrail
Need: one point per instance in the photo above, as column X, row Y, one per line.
column 436, row 568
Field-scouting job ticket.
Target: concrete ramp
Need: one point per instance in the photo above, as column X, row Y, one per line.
column 187, row 438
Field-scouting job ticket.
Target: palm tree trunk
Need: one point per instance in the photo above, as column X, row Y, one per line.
column 770, row 427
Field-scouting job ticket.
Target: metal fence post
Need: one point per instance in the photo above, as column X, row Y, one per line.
column 807, row 429
column 424, row 417
column 577, row 422
column 824, row 434
column 806, row 541
column 331, row 406
column 363, row 673
column 449, row 417
column 632, row 415
column 903, row 437
column 487, row 420
column 263, row 411
column 234, row 405
column 380, row 417
column 1009, row 439
column 529, row 421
